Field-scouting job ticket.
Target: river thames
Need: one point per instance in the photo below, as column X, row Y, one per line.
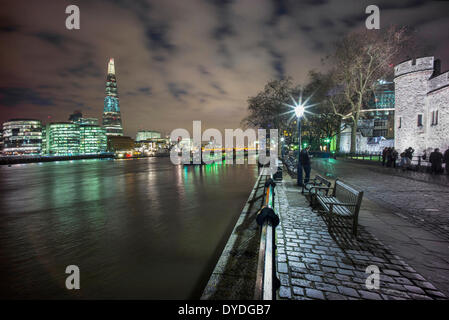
column 137, row 229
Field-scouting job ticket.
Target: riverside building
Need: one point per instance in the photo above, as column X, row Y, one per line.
column 84, row 136
column 22, row 137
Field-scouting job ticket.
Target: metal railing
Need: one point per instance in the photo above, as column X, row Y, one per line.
column 371, row 156
column 266, row 280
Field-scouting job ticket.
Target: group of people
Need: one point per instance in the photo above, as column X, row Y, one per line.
column 436, row 159
column 389, row 157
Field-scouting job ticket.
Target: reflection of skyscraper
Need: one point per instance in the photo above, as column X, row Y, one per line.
column 112, row 121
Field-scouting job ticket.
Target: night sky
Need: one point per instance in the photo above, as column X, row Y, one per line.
column 178, row 60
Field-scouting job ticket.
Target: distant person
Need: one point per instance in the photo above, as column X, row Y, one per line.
column 424, row 156
column 305, row 163
column 405, row 160
column 389, row 157
column 384, row 156
column 394, row 156
column 436, row 160
column 446, row 160
column 409, row 153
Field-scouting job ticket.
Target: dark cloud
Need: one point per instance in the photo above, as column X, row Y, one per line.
column 176, row 91
column 13, row 96
column 84, row 69
column 202, row 55
column 203, row 70
column 157, row 36
column 52, row 38
column 9, row 28
column 145, row 90
column 306, row 28
column 218, row 87
column 315, row 2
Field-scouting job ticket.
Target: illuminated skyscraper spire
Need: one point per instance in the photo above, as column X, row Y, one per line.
column 111, row 111
column 111, row 66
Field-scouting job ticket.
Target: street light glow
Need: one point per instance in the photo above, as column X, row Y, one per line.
column 299, row 110
column 299, row 107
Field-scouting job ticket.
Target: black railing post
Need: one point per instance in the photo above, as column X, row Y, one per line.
column 266, row 279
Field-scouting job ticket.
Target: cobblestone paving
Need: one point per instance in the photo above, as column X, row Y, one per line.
column 422, row 203
column 315, row 263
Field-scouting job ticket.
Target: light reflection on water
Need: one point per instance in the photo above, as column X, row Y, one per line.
column 136, row 228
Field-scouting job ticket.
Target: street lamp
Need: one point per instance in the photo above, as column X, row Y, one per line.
column 299, row 108
column 299, row 111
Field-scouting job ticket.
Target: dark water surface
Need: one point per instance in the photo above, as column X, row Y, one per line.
column 142, row 229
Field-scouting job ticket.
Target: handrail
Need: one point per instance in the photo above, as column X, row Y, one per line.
column 266, row 280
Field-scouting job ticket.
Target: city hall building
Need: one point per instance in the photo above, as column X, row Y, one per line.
column 421, row 106
column 22, row 137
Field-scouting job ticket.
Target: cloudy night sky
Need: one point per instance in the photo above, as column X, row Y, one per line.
column 178, row 60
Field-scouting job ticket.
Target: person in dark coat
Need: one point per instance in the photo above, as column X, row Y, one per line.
column 446, row 160
column 394, row 157
column 305, row 163
column 384, row 156
column 409, row 153
column 436, row 159
column 389, row 157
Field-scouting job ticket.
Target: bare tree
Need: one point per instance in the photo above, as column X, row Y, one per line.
column 361, row 58
column 267, row 109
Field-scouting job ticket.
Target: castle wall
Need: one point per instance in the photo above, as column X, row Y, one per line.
column 411, row 87
column 438, row 135
column 417, row 93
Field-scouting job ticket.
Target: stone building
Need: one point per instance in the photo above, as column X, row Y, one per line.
column 421, row 105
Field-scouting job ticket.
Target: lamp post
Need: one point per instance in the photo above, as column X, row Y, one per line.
column 299, row 111
column 282, row 148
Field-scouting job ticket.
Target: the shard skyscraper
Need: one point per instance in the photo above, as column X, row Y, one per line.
column 112, row 120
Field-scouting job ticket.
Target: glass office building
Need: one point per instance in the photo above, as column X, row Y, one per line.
column 22, row 137
column 92, row 139
column 63, row 138
column 143, row 135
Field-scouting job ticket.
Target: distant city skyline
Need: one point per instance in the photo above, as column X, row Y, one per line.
column 178, row 61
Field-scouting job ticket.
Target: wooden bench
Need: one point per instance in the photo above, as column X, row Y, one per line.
column 345, row 201
column 318, row 185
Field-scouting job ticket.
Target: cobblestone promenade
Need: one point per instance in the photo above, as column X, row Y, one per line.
column 315, row 263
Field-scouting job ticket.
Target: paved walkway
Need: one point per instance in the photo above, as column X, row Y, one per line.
column 314, row 263
column 405, row 212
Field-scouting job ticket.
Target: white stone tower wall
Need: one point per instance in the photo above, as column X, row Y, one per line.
column 411, row 87
column 438, row 135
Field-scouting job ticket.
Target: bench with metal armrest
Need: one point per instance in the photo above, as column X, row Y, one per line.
column 345, row 201
column 317, row 185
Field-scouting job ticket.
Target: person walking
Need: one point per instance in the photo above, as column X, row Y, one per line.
column 436, row 160
column 446, row 160
column 305, row 163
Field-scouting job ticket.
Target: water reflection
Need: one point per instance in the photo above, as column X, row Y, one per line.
column 136, row 228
